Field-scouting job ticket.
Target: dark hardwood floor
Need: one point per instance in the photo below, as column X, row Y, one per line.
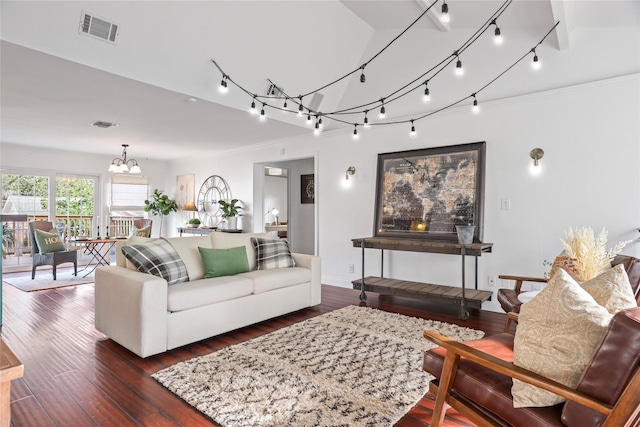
column 76, row 376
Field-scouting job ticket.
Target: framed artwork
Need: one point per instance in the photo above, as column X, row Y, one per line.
column 185, row 189
column 425, row 193
column 307, row 189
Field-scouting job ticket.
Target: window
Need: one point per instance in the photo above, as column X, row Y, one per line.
column 128, row 193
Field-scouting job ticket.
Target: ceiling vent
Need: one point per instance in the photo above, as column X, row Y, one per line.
column 104, row 125
column 98, row 28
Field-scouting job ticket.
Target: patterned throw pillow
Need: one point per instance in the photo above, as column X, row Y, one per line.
column 558, row 333
column 611, row 289
column 49, row 241
column 158, row 258
column 272, row 254
column 140, row 232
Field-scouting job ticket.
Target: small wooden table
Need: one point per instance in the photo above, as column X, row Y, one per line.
column 10, row 369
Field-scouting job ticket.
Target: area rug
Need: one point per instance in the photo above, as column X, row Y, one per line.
column 44, row 280
column 356, row 366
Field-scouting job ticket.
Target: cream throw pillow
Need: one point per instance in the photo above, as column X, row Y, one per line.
column 558, row 333
column 611, row 289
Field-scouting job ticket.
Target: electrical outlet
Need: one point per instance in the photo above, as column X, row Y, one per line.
column 492, row 281
column 351, row 268
column 505, row 204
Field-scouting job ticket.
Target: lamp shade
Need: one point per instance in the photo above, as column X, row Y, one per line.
column 190, row 207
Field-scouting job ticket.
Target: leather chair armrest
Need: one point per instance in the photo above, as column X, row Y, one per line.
column 455, row 350
column 520, row 279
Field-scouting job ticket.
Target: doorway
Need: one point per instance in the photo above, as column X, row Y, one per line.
column 278, row 198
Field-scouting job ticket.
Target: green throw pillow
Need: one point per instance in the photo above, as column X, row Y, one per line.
column 49, row 241
column 224, row 262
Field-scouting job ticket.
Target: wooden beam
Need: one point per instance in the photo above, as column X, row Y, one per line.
column 434, row 14
column 563, row 31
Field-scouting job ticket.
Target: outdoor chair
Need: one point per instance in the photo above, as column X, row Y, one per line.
column 51, row 258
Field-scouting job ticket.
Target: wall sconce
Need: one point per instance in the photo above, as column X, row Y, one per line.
column 350, row 171
column 536, row 154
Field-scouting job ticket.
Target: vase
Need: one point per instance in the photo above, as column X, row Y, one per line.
column 465, row 234
column 232, row 222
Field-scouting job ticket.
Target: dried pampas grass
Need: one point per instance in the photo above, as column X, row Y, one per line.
column 589, row 252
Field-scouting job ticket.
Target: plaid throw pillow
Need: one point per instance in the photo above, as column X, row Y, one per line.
column 158, row 258
column 272, row 254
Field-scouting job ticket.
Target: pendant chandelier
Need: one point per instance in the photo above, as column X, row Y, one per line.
column 122, row 165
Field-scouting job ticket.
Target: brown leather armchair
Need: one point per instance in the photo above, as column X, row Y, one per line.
column 508, row 298
column 476, row 377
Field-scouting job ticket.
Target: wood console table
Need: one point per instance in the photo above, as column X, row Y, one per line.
column 445, row 294
column 10, row 369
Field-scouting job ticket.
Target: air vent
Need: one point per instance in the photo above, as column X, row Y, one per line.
column 104, row 125
column 99, row 28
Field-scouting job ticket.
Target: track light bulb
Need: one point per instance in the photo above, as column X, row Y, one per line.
column 366, row 120
column 253, row 107
column 316, row 131
column 223, row 86
column 309, row 122
column 300, row 108
column 383, row 112
column 459, row 69
column 262, row 116
column 497, row 39
column 413, row 133
column 355, row 132
column 427, row 96
column 444, row 15
column 476, row 108
column 536, row 64
column 363, row 78
column 320, row 122
column 285, row 104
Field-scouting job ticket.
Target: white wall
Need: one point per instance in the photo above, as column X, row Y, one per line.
column 591, row 137
column 590, row 134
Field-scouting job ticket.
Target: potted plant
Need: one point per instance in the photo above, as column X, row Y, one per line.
column 194, row 223
column 230, row 212
column 161, row 205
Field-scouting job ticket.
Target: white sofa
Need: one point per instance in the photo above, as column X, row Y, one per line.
column 142, row 313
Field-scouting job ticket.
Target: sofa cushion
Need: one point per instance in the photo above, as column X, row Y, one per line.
column 221, row 240
column 558, row 333
column 267, row 280
column 198, row 293
column 48, row 241
column 224, row 262
column 158, row 258
column 611, row 289
column 187, row 249
column 272, row 254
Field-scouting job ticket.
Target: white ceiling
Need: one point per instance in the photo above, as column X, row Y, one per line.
column 55, row 82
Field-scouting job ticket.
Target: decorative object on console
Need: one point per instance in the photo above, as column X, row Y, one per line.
column 230, row 211
column 213, row 189
column 465, row 234
column 589, row 252
column 160, row 204
column 193, row 223
column 425, row 193
column 121, row 165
